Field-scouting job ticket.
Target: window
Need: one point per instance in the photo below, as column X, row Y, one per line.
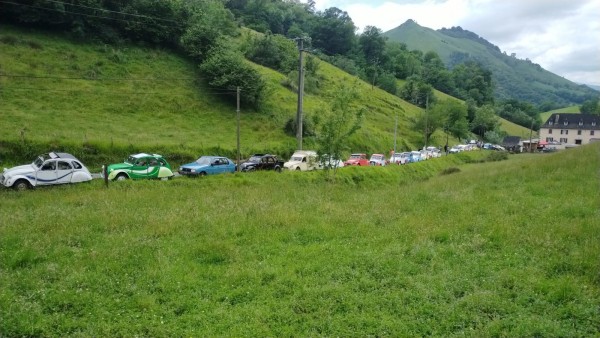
column 566, row 132
column 563, row 140
column 77, row 165
column 562, row 131
column 153, row 162
column 566, row 123
column 579, row 132
column 580, row 123
column 49, row 166
column 549, row 139
column 64, row 165
column 549, row 131
column 593, row 123
column 550, row 123
column 577, row 141
column 592, row 132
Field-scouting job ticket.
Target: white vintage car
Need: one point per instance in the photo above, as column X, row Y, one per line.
column 47, row 169
column 303, row 160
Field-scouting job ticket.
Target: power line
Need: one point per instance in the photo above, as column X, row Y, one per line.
column 97, row 79
column 228, row 92
column 69, row 12
column 117, row 12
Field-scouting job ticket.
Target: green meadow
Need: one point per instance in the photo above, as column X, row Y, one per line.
column 456, row 246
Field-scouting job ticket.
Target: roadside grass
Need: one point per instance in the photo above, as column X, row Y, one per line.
column 504, row 248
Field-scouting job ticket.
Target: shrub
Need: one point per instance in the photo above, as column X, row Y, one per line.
column 449, row 171
column 497, row 156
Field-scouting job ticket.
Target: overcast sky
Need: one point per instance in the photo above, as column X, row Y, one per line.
column 563, row 36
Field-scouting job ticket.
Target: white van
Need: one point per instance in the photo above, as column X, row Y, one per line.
column 303, row 160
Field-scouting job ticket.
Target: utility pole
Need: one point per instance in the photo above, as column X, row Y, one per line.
column 395, row 132
column 530, row 135
column 300, row 92
column 426, row 119
column 238, row 129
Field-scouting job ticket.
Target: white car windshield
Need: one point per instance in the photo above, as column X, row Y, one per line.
column 296, row 158
column 39, row 161
column 254, row 159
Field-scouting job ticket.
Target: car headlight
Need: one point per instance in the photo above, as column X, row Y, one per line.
column 180, row 168
column 193, row 170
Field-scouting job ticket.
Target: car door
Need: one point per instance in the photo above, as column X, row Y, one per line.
column 140, row 168
column 64, row 172
column 153, row 167
column 220, row 165
column 47, row 173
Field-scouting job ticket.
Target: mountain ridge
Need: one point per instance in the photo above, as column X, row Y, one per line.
column 514, row 78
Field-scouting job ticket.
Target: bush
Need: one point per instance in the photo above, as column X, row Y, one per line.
column 273, row 51
column 227, row 69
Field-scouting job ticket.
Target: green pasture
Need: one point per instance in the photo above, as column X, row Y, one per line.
column 446, row 247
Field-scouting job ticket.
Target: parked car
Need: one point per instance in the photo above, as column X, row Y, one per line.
column 378, row 159
column 140, row 166
column 303, row 160
column 47, row 169
column 330, row 162
column 435, row 152
column 400, row 158
column 208, row 165
column 262, row 162
column 357, row 159
column 415, row 156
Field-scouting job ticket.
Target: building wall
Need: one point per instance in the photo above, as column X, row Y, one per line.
column 568, row 136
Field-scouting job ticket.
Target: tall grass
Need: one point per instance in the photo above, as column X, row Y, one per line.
column 504, row 248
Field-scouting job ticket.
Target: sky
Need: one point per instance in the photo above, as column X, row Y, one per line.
column 563, row 36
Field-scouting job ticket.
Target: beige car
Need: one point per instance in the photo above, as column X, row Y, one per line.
column 303, row 160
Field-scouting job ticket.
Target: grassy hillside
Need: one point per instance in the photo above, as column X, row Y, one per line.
column 132, row 98
column 497, row 249
column 514, row 78
column 568, row 110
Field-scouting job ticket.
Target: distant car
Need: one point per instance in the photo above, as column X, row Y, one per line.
column 378, row 159
column 208, row 165
column 357, row 159
column 46, row 169
column 415, row 156
column 139, row 166
column 303, row 160
column 454, row 150
column 262, row 162
column 435, row 152
column 330, row 162
column 400, row 158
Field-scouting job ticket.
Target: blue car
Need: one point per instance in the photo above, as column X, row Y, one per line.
column 208, row 165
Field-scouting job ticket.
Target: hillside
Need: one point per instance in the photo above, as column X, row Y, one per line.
column 514, row 78
column 496, row 249
column 131, row 97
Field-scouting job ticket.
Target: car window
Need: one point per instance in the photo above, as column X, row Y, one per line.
column 141, row 162
column 271, row 160
column 77, row 165
column 154, row 162
column 162, row 162
column 48, row 166
column 62, row 165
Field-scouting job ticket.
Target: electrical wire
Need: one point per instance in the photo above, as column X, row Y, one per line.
column 82, row 14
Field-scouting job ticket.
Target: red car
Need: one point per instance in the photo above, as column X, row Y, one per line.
column 357, row 159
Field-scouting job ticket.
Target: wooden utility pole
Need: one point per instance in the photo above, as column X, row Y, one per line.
column 530, row 135
column 300, row 92
column 238, row 128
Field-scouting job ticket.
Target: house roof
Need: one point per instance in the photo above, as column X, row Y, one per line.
column 511, row 141
column 572, row 121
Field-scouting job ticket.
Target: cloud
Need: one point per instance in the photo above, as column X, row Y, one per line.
column 562, row 36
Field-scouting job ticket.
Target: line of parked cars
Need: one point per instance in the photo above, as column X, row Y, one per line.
column 60, row 168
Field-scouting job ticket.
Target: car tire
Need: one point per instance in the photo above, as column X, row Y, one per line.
column 278, row 169
column 202, row 174
column 121, row 177
column 21, row 185
column 298, row 169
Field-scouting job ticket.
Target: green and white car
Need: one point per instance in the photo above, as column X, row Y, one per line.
column 140, row 166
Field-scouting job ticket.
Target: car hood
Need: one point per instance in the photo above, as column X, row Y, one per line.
column 248, row 164
column 353, row 160
column 290, row 163
column 119, row 166
column 195, row 165
column 20, row 170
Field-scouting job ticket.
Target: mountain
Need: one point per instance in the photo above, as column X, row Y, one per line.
column 514, row 78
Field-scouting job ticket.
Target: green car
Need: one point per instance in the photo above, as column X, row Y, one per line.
column 140, row 166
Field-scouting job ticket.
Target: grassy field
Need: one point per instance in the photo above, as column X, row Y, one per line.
column 504, row 248
column 568, row 110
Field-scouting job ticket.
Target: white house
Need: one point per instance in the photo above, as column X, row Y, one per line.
column 571, row 129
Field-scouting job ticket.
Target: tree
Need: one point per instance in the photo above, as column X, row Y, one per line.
column 334, row 126
column 417, row 92
column 485, row 120
column 333, row 32
column 225, row 68
column 456, row 123
column 272, row 50
column 591, row 106
column 430, row 120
